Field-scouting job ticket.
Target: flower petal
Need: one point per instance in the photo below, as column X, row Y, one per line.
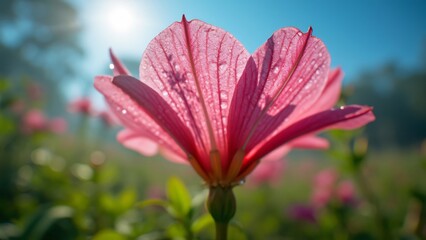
column 133, row 117
column 138, row 143
column 160, row 112
column 348, row 117
column 331, row 93
column 292, row 71
column 119, row 68
column 194, row 66
column 309, row 142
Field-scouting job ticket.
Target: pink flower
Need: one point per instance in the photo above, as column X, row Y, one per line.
column 204, row 100
column 269, row 172
column 58, row 125
column 33, row 121
column 323, row 187
column 346, row 192
column 302, row 212
column 82, row 105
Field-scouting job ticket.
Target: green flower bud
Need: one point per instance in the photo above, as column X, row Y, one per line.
column 221, row 204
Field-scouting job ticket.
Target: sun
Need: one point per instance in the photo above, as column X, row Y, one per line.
column 120, row 18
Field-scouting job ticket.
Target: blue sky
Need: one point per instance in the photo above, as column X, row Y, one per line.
column 360, row 35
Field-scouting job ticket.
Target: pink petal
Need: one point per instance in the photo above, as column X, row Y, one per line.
column 292, row 71
column 159, row 111
column 348, row 117
column 269, row 172
column 138, row 143
column 331, row 93
column 194, row 66
column 119, row 68
column 146, row 144
column 278, row 154
column 58, row 125
column 309, row 142
column 139, row 120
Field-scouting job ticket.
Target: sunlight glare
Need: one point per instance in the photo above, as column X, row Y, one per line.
column 120, row 18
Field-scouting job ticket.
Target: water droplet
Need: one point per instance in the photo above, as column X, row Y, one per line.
column 299, row 33
column 124, row 111
column 300, row 80
column 276, row 70
column 224, row 105
column 223, row 94
column 342, row 107
column 177, row 67
column 320, row 54
column 111, row 66
column 308, row 85
column 223, row 67
column 165, row 93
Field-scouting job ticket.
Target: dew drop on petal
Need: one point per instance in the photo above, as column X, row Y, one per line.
column 177, row 67
column 276, row 70
column 299, row 33
column 111, row 66
column 223, row 105
column 165, row 93
column 222, row 67
column 124, row 111
column 223, row 94
column 241, row 182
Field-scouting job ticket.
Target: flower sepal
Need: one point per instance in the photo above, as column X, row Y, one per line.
column 221, row 204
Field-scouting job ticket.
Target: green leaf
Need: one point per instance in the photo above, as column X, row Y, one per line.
column 108, row 203
column 200, row 198
column 201, row 223
column 127, row 198
column 7, row 125
column 176, row 231
column 179, row 197
column 43, row 219
column 153, row 202
column 108, row 234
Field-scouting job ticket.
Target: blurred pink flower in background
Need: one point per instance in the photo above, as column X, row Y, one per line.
column 58, row 125
column 81, row 105
column 34, row 120
column 327, row 187
column 346, row 193
column 323, row 187
column 303, row 212
column 204, row 100
column 269, row 172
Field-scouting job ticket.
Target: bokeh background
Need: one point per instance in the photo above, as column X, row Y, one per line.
column 64, row 176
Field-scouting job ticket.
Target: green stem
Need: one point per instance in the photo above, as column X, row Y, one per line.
column 380, row 218
column 221, row 231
